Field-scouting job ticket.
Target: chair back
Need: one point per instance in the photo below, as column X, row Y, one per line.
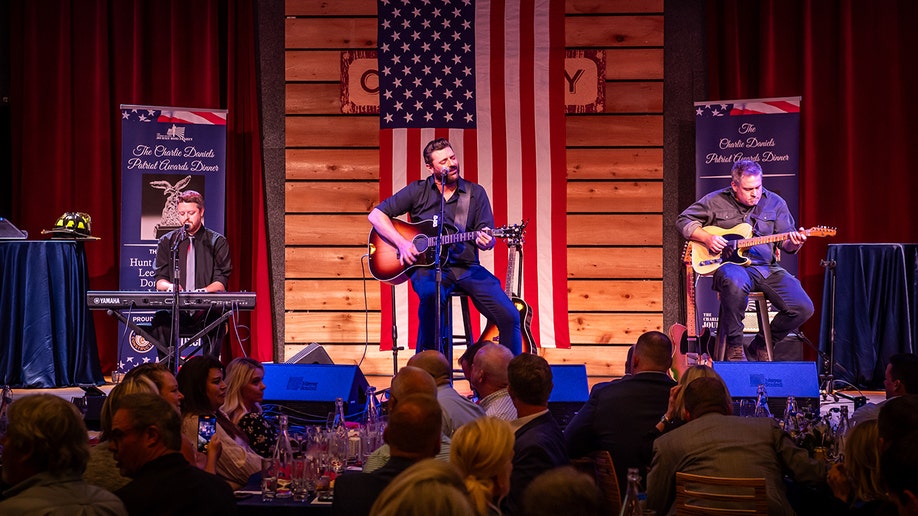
column 698, row 494
column 599, row 465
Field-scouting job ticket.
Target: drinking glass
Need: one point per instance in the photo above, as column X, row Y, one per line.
column 268, row 479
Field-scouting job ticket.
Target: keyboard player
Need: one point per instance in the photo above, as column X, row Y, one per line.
column 204, row 266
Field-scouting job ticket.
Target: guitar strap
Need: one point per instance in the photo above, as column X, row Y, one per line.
column 462, row 212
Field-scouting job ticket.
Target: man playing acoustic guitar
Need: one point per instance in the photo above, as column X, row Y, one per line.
column 467, row 208
column 746, row 201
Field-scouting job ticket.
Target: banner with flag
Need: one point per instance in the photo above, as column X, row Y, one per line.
column 489, row 76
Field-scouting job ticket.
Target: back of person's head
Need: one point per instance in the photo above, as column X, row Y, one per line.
column 563, row 490
column 690, row 375
column 413, row 429
column 904, row 370
column 899, row 474
column 192, row 380
column 429, row 487
column 434, row 362
column 628, row 358
column 490, row 366
column 530, row 379
column 706, row 395
column 653, row 351
column 45, row 434
column 898, row 416
column 151, row 370
column 482, row 450
column 148, row 410
column 468, row 356
column 411, row 380
column 239, row 373
column 862, row 461
column 132, row 385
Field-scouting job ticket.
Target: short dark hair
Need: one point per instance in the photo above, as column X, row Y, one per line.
column 530, row 379
column 898, row 416
column 191, row 196
column 415, row 425
column 434, row 146
column 51, row 431
column 905, row 369
column 744, row 167
column 470, row 352
column 705, row 395
column 563, row 490
column 148, row 410
column 656, row 348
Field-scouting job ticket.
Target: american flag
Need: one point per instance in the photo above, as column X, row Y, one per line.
column 488, row 76
column 742, row 107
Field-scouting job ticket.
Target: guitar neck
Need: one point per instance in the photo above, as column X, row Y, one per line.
column 511, row 265
column 754, row 241
column 453, row 238
column 690, row 300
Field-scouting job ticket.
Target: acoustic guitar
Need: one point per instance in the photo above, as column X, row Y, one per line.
column 491, row 331
column 690, row 348
column 739, row 240
column 384, row 256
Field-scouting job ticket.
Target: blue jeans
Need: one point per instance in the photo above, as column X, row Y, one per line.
column 486, row 294
column 734, row 282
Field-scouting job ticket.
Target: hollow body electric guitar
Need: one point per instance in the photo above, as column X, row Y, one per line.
column 739, row 240
column 491, row 331
column 690, row 348
column 384, row 256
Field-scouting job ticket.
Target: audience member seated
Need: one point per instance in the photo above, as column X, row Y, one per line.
column 204, row 391
column 409, row 381
column 44, row 454
column 618, row 417
column 539, row 444
column 901, row 378
column 413, row 434
column 898, row 469
column 465, row 361
column 165, row 381
column 482, row 451
column 673, row 416
column 146, row 442
column 856, row 482
column 457, row 409
column 429, row 487
column 563, row 490
column 715, row 443
column 898, row 417
column 102, row 470
column 245, row 390
column 489, row 380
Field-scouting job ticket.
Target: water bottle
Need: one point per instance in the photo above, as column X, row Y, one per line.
column 338, row 439
column 761, row 402
column 283, row 455
column 841, row 432
column 631, row 503
column 790, row 416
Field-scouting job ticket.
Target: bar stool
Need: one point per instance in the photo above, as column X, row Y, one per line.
column 463, row 338
column 761, row 308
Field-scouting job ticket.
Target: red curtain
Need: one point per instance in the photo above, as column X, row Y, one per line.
column 854, row 65
column 73, row 63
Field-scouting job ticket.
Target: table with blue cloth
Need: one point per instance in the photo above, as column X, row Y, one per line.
column 47, row 335
column 876, row 309
column 248, row 501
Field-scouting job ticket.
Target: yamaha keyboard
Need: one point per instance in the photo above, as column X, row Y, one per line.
column 117, row 300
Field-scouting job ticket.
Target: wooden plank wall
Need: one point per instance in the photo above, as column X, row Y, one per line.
column 614, row 184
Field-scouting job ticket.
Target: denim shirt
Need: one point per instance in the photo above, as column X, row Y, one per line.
column 720, row 208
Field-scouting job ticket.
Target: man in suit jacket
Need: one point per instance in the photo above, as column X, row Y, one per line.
column 715, row 443
column 539, row 444
column 413, row 433
column 619, row 416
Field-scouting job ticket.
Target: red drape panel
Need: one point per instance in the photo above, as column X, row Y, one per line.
column 74, row 62
column 854, row 65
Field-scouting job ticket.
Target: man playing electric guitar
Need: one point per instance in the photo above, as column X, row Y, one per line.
column 467, row 207
column 746, row 201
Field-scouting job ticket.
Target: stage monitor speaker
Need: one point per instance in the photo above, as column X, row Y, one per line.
column 570, row 392
column 781, row 379
column 311, row 389
column 314, row 353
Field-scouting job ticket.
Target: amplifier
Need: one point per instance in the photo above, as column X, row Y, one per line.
column 781, row 379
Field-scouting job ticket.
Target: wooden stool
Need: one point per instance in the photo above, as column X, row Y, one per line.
column 761, row 308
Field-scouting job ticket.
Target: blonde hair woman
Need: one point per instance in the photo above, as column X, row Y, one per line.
column 856, row 482
column 430, row 486
column 482, row 450
column 673, row 416
column 245, row 390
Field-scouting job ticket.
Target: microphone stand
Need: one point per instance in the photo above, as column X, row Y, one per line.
column 828, row 362
column 176, row 285
column 438, row 262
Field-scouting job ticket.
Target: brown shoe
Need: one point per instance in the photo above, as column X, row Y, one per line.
column 736, row 353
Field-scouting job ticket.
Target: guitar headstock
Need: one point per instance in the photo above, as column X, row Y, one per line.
column 513, row 233
column 821, row 231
